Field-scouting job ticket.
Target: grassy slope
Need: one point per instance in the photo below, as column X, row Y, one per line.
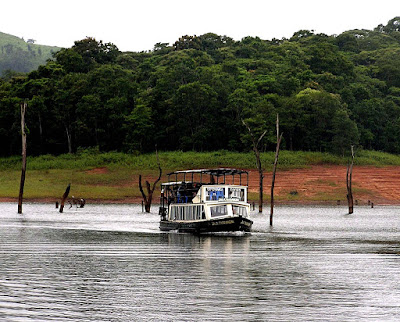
column 38, row 54
column 48, row 176
column 191, row 160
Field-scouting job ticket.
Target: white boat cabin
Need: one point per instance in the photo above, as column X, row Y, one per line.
column 197, row 201
column 211, row 201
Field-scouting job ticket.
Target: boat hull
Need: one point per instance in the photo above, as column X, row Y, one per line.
column 206, row 226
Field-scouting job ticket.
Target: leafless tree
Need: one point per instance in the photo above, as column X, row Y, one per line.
column 24, row 106
column 349, row 175
column 147, row 199
column 256, row 150
column 278, row 143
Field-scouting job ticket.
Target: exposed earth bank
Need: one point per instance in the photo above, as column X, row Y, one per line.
column 327, row 184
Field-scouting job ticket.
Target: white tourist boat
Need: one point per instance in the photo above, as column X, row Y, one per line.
column 205, row 200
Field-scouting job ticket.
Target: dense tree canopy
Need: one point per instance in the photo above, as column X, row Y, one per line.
column 330, row 92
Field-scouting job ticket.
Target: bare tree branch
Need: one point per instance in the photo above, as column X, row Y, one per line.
column 141, row 188
column 261, row 137
column 160, row 172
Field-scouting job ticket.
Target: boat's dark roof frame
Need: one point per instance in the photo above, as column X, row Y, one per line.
column 215, row 172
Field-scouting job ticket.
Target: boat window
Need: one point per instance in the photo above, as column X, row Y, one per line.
column 217, row 211
column 239, row 211
column 187, row 212
column 214, row 193
column 236, row 193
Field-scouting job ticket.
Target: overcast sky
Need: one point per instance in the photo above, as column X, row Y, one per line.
column 137, row 25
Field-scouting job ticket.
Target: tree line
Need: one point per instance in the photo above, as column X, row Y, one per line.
column 330, row 92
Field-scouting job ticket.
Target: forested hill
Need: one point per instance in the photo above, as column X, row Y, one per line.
column 331, row 91
column 18, row 55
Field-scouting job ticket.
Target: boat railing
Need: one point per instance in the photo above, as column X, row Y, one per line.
column 187, row 212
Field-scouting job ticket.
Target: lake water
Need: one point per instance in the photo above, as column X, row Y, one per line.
column 111, row 263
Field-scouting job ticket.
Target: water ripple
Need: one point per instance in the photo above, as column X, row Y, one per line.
column 111, row 263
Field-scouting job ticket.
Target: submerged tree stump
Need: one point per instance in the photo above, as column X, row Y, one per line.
column 64, row 197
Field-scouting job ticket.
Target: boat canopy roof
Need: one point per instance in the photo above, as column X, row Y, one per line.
column 174, row 183
column 214, row 172
column 200, row 174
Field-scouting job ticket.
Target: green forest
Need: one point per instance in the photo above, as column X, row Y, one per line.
column 330, row 91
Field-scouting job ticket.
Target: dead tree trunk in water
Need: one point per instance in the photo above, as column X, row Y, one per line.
column 261, row 181
column 349, row 175
column 23, row 170
column 256, row 144
column 150, row 190
column 278, row 143
column 64, row 197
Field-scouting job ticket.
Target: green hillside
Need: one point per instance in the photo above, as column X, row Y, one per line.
column 19, row 56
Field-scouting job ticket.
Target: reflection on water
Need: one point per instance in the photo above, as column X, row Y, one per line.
column 111, row 263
